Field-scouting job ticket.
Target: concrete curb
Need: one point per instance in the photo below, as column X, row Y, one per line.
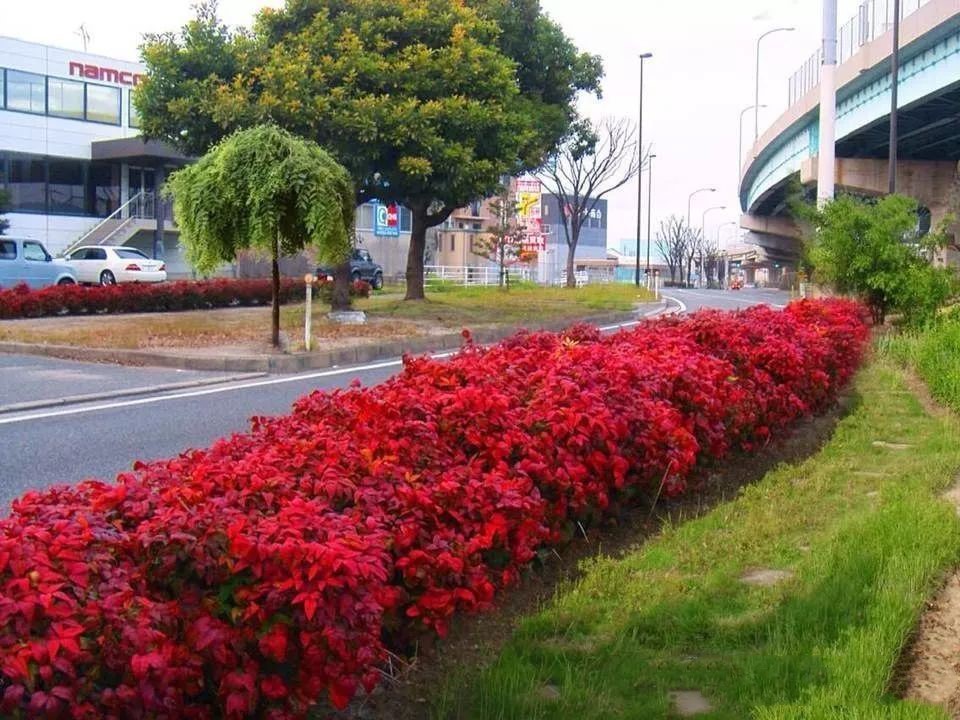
column 125, row 392
column 300, row 362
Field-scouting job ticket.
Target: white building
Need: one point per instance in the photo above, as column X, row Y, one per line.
column 70, row 156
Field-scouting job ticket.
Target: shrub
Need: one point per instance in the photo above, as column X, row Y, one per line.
column 251, row 578
column 22, row 302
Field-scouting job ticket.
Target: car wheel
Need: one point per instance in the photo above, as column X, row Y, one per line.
column 378, row 281
column 66, row 281
column 107, row 278
column 355, row 276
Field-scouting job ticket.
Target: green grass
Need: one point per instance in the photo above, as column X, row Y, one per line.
column 456, row 306
column 861, row 528
column 934, row 353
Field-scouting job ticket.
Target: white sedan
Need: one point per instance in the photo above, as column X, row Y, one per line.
column 109, row 265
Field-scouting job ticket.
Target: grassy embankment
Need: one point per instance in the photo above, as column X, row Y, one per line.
column 863, row 539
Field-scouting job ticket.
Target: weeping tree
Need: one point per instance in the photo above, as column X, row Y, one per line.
column 265, row 190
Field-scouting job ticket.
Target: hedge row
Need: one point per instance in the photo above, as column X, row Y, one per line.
column 22, row 302
column 255, row 577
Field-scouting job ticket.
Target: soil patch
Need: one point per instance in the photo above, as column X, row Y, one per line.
column 765, row 577
column 928, row 669
column 476, row 640
column 688, row 703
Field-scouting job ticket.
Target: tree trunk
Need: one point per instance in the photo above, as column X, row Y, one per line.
column 275, row 269
column 418, row 246
column 341, row 287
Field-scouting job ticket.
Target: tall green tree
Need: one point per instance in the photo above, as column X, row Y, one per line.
column 872, row 249
column 267, row 190
column 426, row 102
column 4, row 206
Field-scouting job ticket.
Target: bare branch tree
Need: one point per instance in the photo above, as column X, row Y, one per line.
column 593, row 162
column 672, row 242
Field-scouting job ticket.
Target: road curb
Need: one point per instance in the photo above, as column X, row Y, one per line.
column 300, row 362
column 127, row 392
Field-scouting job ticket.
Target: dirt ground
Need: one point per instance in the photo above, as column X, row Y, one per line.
column 929, row 671
column 475, row 640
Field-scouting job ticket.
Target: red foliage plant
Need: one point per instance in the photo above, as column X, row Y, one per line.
column 22, row 302
column 255, row 577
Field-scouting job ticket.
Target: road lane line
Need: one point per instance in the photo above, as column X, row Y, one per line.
column 678, row 301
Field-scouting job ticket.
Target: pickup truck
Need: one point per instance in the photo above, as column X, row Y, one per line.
column 27, row 261
column 362, row 267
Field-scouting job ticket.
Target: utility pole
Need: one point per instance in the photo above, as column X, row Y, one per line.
column 827, row 162
column 894, row 99
column 649, row 206
column 636, row 277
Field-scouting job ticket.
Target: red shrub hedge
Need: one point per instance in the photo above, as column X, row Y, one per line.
column 22, row 302
column 251, row 578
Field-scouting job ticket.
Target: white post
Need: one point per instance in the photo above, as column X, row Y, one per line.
column 826, row 164
column 308, row 279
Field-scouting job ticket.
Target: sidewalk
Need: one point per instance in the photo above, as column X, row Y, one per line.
column 238, row 361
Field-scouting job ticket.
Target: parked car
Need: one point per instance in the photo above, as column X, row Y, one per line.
column 362, row 267
column 736, row 283
column 27, row 261
column 109, row 265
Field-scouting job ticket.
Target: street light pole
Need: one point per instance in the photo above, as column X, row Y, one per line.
column 649, row 206
column 723, row 262
column 894, row 93
column 703, row 234
column 756, row 95
column 636, row 278
column 690, row 200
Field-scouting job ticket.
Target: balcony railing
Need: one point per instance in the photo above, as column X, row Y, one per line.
column 873, row 19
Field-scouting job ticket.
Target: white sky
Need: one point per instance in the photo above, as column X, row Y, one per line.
column 700, row 78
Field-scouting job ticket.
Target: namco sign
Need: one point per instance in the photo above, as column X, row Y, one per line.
column 95, row 72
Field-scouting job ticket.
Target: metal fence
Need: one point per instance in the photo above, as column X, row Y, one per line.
column 475, row 275
column 873, row 19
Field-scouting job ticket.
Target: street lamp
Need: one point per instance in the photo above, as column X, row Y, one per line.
column 721, row 227
column 690, row 199
column 756, row 95
column 636, row 277
column 649, row 206
column 740, row 140
column 703, row 226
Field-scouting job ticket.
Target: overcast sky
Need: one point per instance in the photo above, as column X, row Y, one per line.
column 700, row 78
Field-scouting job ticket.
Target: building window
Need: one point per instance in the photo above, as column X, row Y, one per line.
column 65, row 98
column 27, row 185
column 365, row 217
column 406, row 220
column 66, row 187
column 26, row 92
column 3, row 93
column 453, row 243
column 103, row 104
column 475, row 208
column 103, row 189
column 132, row 111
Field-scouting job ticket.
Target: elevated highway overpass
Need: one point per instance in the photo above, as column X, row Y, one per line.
column 785, row 156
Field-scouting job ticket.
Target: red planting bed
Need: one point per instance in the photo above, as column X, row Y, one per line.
column 255, row 577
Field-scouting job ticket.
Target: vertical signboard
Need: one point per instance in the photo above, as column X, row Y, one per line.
column 386, row 220
column 529, row 213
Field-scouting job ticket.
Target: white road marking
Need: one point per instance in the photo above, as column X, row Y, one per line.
column 209, row 391
column 683, row 305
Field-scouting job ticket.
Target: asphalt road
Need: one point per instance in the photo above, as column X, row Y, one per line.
column 59, row 445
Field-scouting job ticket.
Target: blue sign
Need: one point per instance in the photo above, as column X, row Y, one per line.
column 386, row 220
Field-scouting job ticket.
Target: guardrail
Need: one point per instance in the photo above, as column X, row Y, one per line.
column 873, row 19
column 474, row 275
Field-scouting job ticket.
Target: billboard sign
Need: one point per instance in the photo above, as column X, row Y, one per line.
column 386, row 220
column 529, row 213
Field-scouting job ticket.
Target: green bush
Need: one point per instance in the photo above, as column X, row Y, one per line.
column 872, row 249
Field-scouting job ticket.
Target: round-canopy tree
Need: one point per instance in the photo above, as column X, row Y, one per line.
column 428, row 103
column 263, row 189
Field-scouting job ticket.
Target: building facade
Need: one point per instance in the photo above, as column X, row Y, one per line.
column 71, row 160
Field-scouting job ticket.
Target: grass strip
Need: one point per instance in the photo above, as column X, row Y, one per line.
column 934, row 353
column 863, row 539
